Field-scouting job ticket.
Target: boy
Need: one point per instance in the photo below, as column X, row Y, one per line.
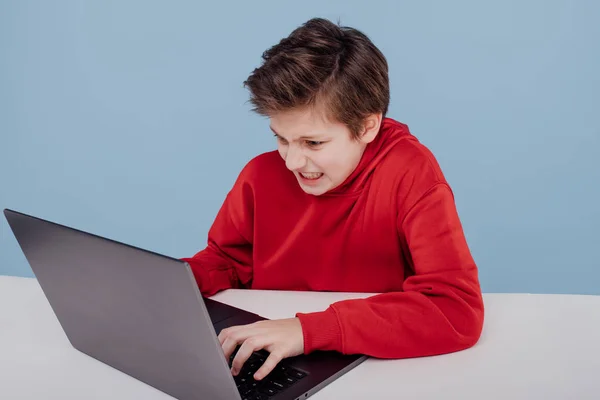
column 350, row 201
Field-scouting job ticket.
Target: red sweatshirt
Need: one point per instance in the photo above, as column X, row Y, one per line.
column 391, row 228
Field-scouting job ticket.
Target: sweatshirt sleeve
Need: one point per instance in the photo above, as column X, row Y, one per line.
column 226, row 261
column 440, row 309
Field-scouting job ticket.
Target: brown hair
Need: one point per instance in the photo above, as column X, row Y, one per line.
column 335, row 69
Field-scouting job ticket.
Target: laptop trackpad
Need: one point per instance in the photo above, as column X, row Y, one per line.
column 219, row 311
column 242, row 318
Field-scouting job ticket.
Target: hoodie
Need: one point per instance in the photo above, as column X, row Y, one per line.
column 391, row 229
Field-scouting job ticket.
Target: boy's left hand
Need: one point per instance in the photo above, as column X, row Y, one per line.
column 281, row 338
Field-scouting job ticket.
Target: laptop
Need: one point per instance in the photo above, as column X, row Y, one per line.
column 142, row 313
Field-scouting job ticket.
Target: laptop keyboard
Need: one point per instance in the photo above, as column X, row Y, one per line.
column 282, row 377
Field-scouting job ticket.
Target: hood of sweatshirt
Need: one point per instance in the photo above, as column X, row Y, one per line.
column 390, row 133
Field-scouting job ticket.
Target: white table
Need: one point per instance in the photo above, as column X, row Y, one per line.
column 532, row 347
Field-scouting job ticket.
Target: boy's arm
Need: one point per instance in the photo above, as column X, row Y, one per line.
column 226, row 262
column 440, row 309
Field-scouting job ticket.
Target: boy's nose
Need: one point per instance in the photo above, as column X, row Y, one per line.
column 294, row 160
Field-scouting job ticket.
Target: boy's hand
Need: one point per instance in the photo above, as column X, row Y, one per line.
column 281, row 338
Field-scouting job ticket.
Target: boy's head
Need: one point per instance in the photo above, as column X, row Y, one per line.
column 325, row 89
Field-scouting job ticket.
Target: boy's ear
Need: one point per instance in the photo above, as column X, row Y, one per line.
column 371, row 126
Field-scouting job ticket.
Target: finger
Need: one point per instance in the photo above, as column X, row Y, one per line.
column 225, row 333
column 230, row 344
column 270, row 363
column 249, row 346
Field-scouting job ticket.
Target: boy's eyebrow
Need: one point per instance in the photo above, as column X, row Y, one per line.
column 301, row 137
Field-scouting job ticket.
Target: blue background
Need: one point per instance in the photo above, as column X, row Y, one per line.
column 128, row 119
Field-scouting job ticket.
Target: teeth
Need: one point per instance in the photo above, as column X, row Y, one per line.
column 312, row 175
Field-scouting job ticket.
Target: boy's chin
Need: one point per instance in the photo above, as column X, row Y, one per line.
column 314, row 190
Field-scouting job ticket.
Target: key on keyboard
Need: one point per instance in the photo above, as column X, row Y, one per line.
column 282, row 377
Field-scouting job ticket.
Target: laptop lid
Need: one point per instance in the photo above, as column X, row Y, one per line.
column 137, row 311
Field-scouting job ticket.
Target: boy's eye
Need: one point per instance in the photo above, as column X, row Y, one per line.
column 280, row 139
column 309, row 143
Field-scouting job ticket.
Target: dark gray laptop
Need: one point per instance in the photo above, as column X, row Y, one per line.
column 142, row 313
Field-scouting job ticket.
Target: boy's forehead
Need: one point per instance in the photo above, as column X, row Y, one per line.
column 300, row 134
column 301, row 124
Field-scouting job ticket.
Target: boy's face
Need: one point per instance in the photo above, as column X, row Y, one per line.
column 320, row 153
